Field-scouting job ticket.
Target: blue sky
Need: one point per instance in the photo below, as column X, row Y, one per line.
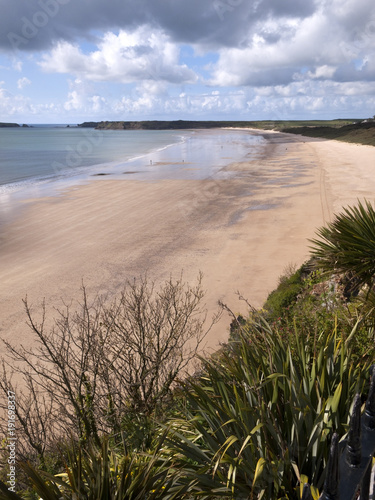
column 68, row 61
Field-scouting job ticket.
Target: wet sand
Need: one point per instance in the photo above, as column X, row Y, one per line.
column 241, row 225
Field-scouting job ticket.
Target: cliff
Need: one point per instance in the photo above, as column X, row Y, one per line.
column 8, row 125
column 204, row 124
column 165, row 125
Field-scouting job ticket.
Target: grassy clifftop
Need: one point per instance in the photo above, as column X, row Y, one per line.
column 204, row 124
column 347, row 130
column 360, row 133
column 166, row 125
column 3, row 125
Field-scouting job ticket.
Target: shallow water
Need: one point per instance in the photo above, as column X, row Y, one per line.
column 39, row 154
column 131, row 155
column 201, row 155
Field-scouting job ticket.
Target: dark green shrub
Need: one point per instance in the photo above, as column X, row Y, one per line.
column 284, row 295
column 259, row 420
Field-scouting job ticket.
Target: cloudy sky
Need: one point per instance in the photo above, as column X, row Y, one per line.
column 67, row 61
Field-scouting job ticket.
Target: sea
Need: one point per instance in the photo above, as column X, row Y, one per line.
column 40, row 160
column 41, row 153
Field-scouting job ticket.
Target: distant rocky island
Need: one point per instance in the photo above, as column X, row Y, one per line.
column 8, row 125
column 3, row 125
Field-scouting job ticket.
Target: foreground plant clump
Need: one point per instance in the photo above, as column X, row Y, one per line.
column 254, row 422
column 102, row 367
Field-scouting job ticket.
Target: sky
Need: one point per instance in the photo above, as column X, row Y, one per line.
column 69, row 61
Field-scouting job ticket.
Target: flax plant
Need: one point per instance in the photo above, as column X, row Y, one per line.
column 347, row 245
column 104, row 473
column 259, row 419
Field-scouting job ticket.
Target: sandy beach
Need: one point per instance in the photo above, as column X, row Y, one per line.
column 241, row 227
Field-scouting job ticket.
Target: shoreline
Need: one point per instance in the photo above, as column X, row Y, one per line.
column 158, row 163
column 241, row 227
column 65, row 174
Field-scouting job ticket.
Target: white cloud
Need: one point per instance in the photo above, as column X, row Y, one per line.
column 264, row 59
column 153, row 88
column 74, row 102
column 322, row 72
column 23, row 82
column 323, row 43
column 143, row 54
column 299, row 99
column 82, row 98
column 17, row 65
column 12, row 105
column 99, row 104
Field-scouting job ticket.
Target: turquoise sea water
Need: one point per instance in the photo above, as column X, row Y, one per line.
column 40, row 154
column 43, row 160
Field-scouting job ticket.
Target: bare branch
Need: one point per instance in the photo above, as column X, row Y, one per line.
column 98, row 361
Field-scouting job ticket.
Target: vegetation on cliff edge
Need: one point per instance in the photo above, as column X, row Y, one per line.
column 256, row 418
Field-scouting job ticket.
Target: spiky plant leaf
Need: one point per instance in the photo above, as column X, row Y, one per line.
column 347, row 245
column 259, row 404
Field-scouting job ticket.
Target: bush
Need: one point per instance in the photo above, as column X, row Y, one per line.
column 290, row 286
column 260, row 418
column 102, row 362
column 347, row 245
column 99, row 472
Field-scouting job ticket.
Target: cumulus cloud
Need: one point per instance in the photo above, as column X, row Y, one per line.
column 74, row 101
column 258, row 42
column 83, row 98
column 212, row 58
column 313, row 48
column 13, row 104
column 17, row 65
column 127, row 57
column 23, row 82
column 275, row 103
column 300, row 99
column 88, row 104
column 41, row 23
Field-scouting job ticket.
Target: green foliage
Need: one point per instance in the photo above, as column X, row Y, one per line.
column 308, row 312
column 293, row 304
column 358, row 133
column 347, row 245
column 93, row 473
column 204, row 124
column 141, row 430
column 284, row 295
column 261, row 416
column 255, row 424
column 320, row 306
column 257, row 421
